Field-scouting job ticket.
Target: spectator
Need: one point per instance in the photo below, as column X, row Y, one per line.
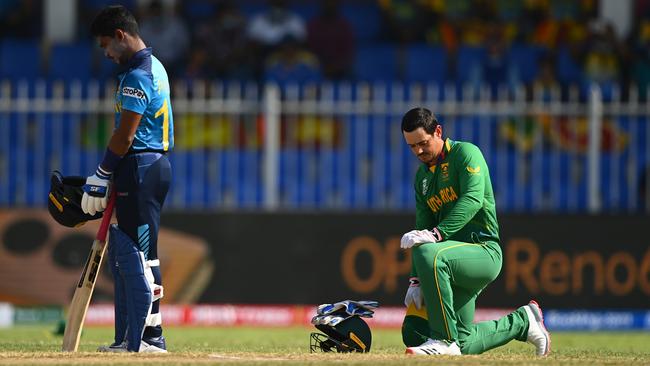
column 496, row 69
column 546, row 81
column 545, row 28
column 167, row 34
column 330, row 37
column 441, row 31
column 268, row 29
column 600, row 60
column 291, row 63
column 222, row 46
column 273, row 26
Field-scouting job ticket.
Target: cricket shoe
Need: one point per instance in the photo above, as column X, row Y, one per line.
column 435, row 347
column 114, row 348
column 156, row 346
column 153, row 345
column 537, row 333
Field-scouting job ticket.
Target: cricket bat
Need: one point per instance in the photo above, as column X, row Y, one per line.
column 84, row 292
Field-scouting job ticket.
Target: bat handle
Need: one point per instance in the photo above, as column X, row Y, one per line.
column 106, row 219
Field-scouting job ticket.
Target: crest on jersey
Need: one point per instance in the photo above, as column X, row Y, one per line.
column 444, row 170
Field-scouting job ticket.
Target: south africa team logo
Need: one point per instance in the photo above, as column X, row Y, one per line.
column 444, row 170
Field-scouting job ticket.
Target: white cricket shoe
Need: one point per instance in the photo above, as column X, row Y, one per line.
column 435, row 347
column 121, row 347
column 537, row 333
column 150, row 348
column 114, row 348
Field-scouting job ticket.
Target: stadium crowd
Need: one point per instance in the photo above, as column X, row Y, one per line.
column 536, row 42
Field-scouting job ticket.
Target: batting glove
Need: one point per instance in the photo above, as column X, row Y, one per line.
column 95, row 197
column 414, row 294
column 415, row 237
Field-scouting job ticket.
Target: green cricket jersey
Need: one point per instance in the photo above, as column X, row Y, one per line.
column 456, row 196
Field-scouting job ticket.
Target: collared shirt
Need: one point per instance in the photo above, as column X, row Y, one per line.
column 144, row 89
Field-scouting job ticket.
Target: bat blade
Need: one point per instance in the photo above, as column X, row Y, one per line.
column 84, row 291
column 82, row 295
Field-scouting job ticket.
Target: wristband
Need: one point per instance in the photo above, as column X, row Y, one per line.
column 109, row 163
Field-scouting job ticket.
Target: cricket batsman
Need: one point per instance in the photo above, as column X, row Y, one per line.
column 135, row 164
column 455, row 251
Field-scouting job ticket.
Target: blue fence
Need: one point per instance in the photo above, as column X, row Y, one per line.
column 338, row 147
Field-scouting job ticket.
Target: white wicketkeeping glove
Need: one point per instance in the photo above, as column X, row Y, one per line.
column 414, row 294
column 95, row 197
column 415, row 237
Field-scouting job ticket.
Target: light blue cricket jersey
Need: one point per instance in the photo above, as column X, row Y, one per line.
column 144, row 89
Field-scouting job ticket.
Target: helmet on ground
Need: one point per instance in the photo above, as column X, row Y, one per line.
column 64, row 200
column 341, row 334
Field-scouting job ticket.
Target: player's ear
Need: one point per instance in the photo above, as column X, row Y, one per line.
column 438, row 131
column 119, row 35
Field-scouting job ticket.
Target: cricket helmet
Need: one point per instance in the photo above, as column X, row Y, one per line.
column 342, row 334
column 64, row 203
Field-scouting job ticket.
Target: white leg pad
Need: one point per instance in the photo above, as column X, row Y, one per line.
column 156, row 292
column 153, row 320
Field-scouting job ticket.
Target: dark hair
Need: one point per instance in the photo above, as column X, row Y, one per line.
column 112, row 18
column 419, row 117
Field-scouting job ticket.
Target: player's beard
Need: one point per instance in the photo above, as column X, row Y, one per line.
column 117, row 52
column 426, row 158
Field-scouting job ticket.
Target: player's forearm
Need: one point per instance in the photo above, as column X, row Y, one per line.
column 121, row 140
column 120, row 143
column 118, row 146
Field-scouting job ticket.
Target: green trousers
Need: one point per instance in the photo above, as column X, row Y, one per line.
column 452, row 274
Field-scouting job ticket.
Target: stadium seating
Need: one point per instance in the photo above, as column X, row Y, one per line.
column 524, row 61
column 365, row 19
column 425, row 63
column 568, row 70
column 468, row 64
column 63, row 56
column 377, row 62
column 20, row 59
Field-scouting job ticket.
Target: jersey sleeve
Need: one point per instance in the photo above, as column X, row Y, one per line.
column 135, row 92
column 472, row 169
column 424, row 217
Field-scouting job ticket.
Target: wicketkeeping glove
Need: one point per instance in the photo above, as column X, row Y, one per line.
column 414, row 294
column 361, row 308
column 415, row 237
column 95, row 197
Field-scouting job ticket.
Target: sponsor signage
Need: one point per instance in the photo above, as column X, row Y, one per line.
column 564, row 262
column 590, row 262
column 228, row 315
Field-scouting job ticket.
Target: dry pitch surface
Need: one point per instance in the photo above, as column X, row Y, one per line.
column 290, row 346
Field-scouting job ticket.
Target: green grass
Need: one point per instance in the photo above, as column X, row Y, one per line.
column 279, row 346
